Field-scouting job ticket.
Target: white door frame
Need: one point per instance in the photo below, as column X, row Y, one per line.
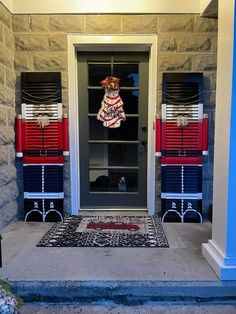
column 132, row 43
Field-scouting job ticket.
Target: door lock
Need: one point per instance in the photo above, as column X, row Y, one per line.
column 144, row 143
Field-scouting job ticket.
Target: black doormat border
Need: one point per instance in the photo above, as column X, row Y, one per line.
column 66, row 234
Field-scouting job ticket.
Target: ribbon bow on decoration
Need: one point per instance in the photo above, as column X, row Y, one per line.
column 182, row 120
column 42, row 115
column 110, row 83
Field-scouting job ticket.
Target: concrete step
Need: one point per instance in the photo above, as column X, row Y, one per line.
column 111, row 309
column 125, row 292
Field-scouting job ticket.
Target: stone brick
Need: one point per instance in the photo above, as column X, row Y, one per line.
column 8, row 213
column 205, row 189
column 185, row 43
column 213, row 80
column 158, row 102
column 176, row 23
column 50, row 62
column 159, row 80
column 18, row 85
column 4, row 156
column 211, row 119
column 8, row 193
column 3, row 116
column 5, row 16
column 65, row 100
column 67, row 206
column 206, row 24
column 105, row 24
column 215, row 43
column 38, row 23
column 205, row 62
column 175, row 63
column 7, row 97
column 7, row 136
column 7, row 175
column 58, row 42
column 10, row 79
column 20, row 23
column 197, row 43
column 64, row 80
column 140, row 24
column 66, row 23
column 22, row 63
column 31, row 42
column 207, row 81
column 167, row 43
column 6, row 56
column 11, row 115
column 18, row 98
column 66, row 171
column 207, row 171
column 12, row 155
column 211, row 143
column 210, row 190
column 158, row 187
column 211, row 153
column 209, row 99
column 1, row 33
column 158, row 171
column 2, row 75
column 8, row 39
column 210, row 157
column 67, row 189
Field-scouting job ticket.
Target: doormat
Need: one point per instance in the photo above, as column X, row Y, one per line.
column 106, row 231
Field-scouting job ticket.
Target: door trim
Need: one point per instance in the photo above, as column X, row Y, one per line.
column 116, row 43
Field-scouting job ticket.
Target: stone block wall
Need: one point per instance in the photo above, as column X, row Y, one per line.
column 9, row 186
column 186, row 43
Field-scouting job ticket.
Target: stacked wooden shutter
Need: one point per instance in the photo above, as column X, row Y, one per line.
column 42, row 142
column 181, row 141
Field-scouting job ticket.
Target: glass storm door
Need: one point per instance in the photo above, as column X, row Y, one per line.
column 113, row 161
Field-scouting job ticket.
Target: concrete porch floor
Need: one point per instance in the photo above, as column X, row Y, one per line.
column 182, row 261
column 125, row 274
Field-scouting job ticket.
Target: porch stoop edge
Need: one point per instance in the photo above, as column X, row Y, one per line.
column 125, row 292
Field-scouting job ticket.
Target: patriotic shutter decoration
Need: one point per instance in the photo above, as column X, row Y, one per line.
column 181, row 141
column 42, row 139
column 111, row 112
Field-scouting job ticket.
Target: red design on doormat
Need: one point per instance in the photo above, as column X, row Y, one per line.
column 112, row 225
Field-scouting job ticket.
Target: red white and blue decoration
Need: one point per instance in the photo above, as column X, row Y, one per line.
column 181, row 143
column 42, row 140
column 111, row 112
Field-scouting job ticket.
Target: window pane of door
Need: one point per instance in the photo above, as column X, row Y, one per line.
column 105, row 155
column 95, row 97
column 128, row 130
column 130, row 100
column 121, row 181
column 128, row 74
column 98, row 72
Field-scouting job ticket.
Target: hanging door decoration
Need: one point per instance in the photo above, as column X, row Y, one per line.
column 111, row 112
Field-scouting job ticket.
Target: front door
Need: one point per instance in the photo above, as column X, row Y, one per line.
column 113, row 161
